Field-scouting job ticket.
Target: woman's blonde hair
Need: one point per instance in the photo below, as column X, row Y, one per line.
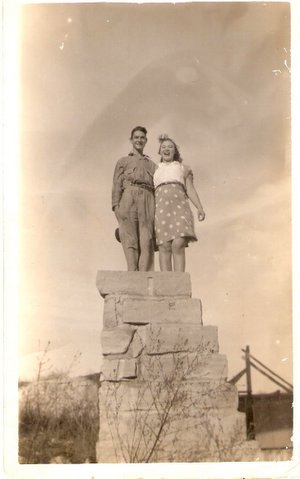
column 165, row 137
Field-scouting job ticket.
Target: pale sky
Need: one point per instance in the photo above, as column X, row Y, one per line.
column 216, row 78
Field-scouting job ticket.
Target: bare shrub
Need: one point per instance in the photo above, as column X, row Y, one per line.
column 149, row 419
column 58, row 416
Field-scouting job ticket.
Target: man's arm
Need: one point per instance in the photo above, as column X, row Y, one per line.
column 117, row 184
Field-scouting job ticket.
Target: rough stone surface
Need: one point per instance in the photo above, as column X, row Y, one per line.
column 143, row 311
column 140, row 395
column 110, row 313
column 117, row 443
column 130, row 395
column 211, row 368
column 136, row 346
column 163, row 385
column 109, row 369
column 118, row 369
column 211, row 436
column 204, row 434
column 164, row 338
column 138, row 283
column 116, row 340
column 212, row 395
column 127, row 368
column 200, row 368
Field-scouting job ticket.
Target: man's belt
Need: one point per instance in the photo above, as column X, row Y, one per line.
column 140, row 184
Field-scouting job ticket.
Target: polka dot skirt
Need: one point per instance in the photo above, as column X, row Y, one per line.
column 173, row 215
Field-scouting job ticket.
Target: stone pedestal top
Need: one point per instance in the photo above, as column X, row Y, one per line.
column 140, row 283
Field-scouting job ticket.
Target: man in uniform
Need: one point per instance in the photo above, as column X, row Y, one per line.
column 133, row 203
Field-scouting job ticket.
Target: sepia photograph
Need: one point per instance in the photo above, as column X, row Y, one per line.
column 155, row 264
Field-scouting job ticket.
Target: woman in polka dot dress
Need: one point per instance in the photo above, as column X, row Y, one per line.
column 174, row 221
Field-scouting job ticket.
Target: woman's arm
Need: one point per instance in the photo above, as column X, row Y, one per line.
column 193, row 196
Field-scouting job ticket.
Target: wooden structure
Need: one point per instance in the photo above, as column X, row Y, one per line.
column 269, row 417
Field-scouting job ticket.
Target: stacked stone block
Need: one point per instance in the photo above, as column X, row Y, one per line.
column 163, row 394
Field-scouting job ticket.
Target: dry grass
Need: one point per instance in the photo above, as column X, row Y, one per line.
column 58, row 418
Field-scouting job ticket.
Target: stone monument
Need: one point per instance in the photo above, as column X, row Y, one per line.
column 164, row 395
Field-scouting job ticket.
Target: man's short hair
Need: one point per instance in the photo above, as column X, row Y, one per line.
column 138, row 128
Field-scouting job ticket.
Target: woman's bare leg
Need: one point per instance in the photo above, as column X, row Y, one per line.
column 178, row 252
column 165, row 256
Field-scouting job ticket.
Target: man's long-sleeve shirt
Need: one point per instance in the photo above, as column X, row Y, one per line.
column 131, row 169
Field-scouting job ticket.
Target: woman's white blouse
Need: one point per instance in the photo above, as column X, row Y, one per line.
column 173, row 171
